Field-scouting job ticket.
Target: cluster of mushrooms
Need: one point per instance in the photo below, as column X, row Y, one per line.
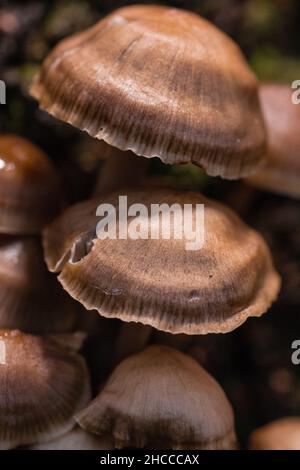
column 149, row 81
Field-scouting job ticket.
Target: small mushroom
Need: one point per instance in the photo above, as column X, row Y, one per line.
column 161, row 82
column 283, row 434
column 30, row 297
column 42, row 385
column 158, row 282
column 76, row 439
column 281, row 170
column 161, row 398
column 29, row 187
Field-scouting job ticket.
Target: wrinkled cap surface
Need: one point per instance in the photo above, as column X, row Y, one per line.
column 281, row 170
column 159, row 282
column 161, row 398
column 42, row 385
column 160, row 82
column 29, row 187
column 31, row 299
column 283, row 434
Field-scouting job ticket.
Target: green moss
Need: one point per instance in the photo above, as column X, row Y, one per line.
column 188, row 176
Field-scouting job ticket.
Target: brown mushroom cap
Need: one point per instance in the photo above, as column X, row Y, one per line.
column 160, row 82
column 281, row 170
column 161, row 398
column 29, row 187
column 159, row 282
column 30, row 297
column 42, row 385
column 76, row 439
column 283, row 434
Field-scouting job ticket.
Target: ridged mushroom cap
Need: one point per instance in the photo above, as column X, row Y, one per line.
column 31, row 299
column 159, row 282
column 283, row 434
column 30, row 191
column 281, row 170
column 42, row 385
column 160, row 82
column 76, row 439
column 161, row 398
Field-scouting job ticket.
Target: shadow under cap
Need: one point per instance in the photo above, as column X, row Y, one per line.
column 30, row 191
column 281, row 170
column 158, row 282
column 31, row 299
column 161, row 398
column 160, row 82
column 42, row 385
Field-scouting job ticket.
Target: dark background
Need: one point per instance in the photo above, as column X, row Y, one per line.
column 253, row 363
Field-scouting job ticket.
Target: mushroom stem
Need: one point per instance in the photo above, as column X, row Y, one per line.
column 132, row 338
column 120, row 169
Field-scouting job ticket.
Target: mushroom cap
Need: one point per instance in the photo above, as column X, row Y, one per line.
column 29, row 187
column 76, row 439
column 42, row 385
column 31, row 299
column 282, row 434
column 159, row 282
column 160, row 82
column 281, row 170
column 161, row 398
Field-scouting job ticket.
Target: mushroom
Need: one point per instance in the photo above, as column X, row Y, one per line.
column 282, row 434
column 160, row 82
column 29, row 187
column 76, row 439
column 42, row 385
column 158, row 282
column 281, row 170
column 30, row 297
column 161, row 398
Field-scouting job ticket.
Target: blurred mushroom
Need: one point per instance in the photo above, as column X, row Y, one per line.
column 283, row 434
column 161, row 398
column 159, row 282
column 76, row 439
column 30, row 297
column 281, row 170
column 160, row 82
column 29, row 187
column 42, row 385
